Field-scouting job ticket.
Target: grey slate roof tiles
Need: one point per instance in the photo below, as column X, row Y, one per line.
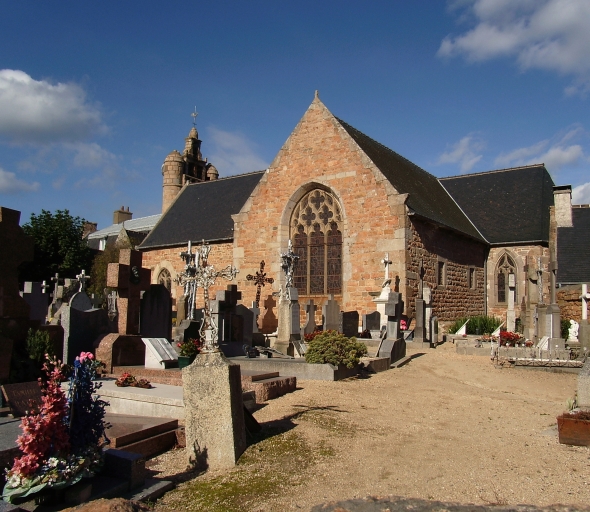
column 427, row 197
column 507, row 205
column 202, row 211
column 573, row 249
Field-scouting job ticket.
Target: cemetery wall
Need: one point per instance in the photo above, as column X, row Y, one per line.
column 169, row 258
column 568, row 298
column 520, row 255
column 321, row 154
column 455, row 297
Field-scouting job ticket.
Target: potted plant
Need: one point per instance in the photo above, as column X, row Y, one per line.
column 188, row 351
column 574, row 428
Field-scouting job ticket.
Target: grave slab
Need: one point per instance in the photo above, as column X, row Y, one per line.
column 159, row 353
column 21, row 397
column 155, row 319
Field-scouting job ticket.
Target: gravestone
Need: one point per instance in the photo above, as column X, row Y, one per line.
column 15, row 248
column 181, row 305
column 22, row 397
column 81, row 329
column 6, row 346
column 372, row 323
column 427, row 295
column 393, row 346
column 533, row 273
column 155, row 318
column 130, row 279
column 37, row 299
column 268, row 321
column 553, row 329
column 434, row 331
column 420, row 327
column 510, row 313
column 214, row 412
column 248, row 321
column 81, row 301
column 584, row 386
column 350, row 323
column 159, row 353
column 310, row 309
column 584, row 332
column 331, row 315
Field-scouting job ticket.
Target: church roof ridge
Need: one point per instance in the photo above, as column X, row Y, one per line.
column 507, row 169
column 226, row 178
column 426, row 195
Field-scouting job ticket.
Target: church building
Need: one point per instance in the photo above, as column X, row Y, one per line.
column 346, row 201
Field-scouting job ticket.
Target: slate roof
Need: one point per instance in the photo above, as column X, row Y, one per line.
column 573, row 248
column 427, row 197
column 202, row 211
column 507, row 205
column 141, row 224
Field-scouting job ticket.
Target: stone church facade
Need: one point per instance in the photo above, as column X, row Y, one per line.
column 345, row 201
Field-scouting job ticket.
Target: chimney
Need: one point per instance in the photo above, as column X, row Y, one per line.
column 562, row 199
column 122, row 215
column 89, row 227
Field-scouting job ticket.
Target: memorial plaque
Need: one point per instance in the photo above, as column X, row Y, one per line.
column 22, row 397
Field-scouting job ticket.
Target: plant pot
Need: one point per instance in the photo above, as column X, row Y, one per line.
column 185, row 361
column 573, row 430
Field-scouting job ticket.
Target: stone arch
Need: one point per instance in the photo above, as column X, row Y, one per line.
column 506, row 262
column 165, row 269
column 318, row 236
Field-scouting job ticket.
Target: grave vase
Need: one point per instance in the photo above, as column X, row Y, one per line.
column 184, row 361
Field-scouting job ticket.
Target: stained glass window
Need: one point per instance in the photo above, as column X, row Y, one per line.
column 316, row 233
column 165, row 279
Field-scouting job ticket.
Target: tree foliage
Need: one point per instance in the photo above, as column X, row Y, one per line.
column 100, row 265
column 59, row 246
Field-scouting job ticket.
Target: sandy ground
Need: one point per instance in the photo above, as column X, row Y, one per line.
column 444, row 427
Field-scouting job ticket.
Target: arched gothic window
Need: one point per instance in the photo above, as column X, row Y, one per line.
column 165, row 278
column 316, row 233
column 505, row 267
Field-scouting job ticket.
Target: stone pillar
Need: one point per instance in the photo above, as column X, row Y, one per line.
column 420, row 327
column 289, row 328
column 510, row 315
column 214, row 412
column 584, row 332
column 554, row 313
column 427, row 294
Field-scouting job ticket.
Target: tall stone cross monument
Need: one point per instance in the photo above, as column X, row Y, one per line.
column 420, row 328
column 289, row 309
column 584, row 334
column 130, row 279
column 553, row 311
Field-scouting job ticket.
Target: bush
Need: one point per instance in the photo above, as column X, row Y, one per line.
column 39, row 346
column 335, row 348
column 480, row 324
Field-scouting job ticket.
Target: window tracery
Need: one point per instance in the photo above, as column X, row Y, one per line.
column 316, row 233
column 505, row 267
column 165, row 278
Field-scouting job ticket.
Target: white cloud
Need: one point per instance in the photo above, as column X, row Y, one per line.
column 232, row 153
column 581, row 194
column 463, row 152
column 38, row 111
column 10, row 184
column 540, row 34
column 555, row 153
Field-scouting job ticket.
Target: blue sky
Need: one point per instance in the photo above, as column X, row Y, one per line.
column 93, row 96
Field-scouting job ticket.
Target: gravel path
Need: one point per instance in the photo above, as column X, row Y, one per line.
column 444, row 427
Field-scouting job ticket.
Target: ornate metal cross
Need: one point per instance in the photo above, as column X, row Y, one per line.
column 187, row 280
column 289, row 260
column 198, row 273
column 260, row 280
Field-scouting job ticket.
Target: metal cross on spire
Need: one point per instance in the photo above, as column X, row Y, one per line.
column 260, row 280
column 194, row 116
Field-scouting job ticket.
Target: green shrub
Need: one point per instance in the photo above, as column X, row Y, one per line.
column 480, row 324
column 565, row 328
column 38, row 345
column 335, row 348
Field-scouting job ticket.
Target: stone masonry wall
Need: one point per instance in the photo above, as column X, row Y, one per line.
column 320, row 154
column 520, row 255
column 169, row 258
column 570, row 303
column 455, row 298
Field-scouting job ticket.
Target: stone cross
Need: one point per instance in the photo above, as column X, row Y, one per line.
column 510, row 314
column 393, row 312
column 82, row 278
column 288, row 265
column 540, row 280
column 553, row 280
column 44, row 286
column 310, row 309
column 256, row 311
column 585, row 297
column 260, row 280
column 386, row 262
column 130, row 279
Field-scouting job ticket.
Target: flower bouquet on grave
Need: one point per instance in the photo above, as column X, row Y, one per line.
column 126, row 380
column 62, row 442
column 508, row 338
column 190, row 348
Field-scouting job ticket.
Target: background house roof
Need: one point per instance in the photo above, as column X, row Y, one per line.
column 140, row 225
column 507, row 205
column 573, row 248
column 202, row 211
column 427, row 197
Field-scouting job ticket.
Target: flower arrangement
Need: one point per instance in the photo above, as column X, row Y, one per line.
column 62, row 442
column 190, row 347
column 126, row 380
column 508, row 338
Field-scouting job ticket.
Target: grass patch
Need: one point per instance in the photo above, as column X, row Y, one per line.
column 272, row 462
